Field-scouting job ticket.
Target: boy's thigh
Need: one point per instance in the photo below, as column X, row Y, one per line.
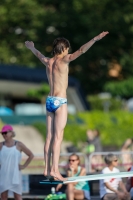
column 60, row 118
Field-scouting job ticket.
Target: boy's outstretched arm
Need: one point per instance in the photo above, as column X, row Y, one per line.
column 41, row 57
column 84, row 48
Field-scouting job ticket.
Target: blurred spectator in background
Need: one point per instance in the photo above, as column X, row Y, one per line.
column 10, row 167
column 127, row 147
column 93, row 140
column 93, row 144
column 78, row 190
column 112, row 188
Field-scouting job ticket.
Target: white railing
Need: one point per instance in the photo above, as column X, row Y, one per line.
column 93, row 162
column 37, row 164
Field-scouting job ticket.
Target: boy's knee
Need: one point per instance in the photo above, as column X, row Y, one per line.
column 48, row 137
column 58, row 138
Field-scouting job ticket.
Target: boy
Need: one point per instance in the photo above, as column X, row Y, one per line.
column 56, row 102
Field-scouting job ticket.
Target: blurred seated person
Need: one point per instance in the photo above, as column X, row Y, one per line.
column 77, row 190
column 112, row 188
column 126, row 157
column 129, row 183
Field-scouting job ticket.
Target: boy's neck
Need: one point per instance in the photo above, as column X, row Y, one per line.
column 59, row 55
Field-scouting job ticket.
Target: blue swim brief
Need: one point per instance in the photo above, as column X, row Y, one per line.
column 53, row 103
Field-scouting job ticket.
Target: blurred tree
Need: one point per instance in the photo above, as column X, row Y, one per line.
column 121, row 88
column 40, row 93
column 79, row 21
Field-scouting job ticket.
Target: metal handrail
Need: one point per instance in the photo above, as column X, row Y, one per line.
column 87, row 159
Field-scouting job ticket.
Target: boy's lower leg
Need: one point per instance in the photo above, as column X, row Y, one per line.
column 60, row 119
column 55, row 159
column 47, row 155
column 48, row 143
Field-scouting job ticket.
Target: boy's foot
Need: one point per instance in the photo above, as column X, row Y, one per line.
column 46, row 174
column 57, row 176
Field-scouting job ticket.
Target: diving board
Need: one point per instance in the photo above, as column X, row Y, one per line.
column 90, row 178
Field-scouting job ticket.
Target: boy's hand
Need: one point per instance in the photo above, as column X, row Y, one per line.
column 100, row 36
column 29, row 44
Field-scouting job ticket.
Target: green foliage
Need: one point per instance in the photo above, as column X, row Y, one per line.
column 41, row 127
column 75, row 133
column 18, row 24
column 122, row 88
column 111, row 104
column 114, row 127
column 39, row 93
column 42, row 21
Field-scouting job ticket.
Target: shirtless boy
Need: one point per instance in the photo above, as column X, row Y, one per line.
column 56, row 102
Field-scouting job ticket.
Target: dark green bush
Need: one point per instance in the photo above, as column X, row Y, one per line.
column 111, row 104
column 115, row 127
column 121, row 88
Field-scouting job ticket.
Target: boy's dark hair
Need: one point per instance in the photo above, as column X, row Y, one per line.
column 59, row 45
